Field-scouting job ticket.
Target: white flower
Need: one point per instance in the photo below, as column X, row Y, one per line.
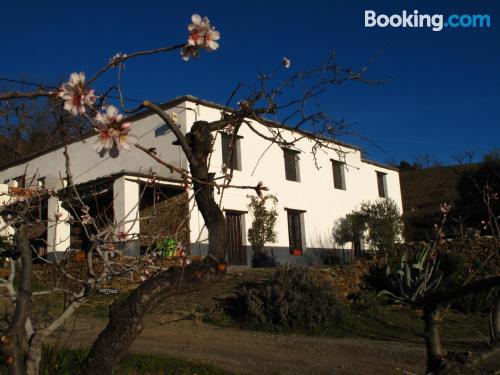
column 75, row 95
column 211, row 38
column 201, row 35
column 112, row 132
column 104, row 140
column 85, row 219
column 124, row 140
column 286, row 62
column 197, row 30
column 116, row 58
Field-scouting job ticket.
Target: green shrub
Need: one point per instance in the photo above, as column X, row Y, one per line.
column 262, row 230
column 366, row 300
column 263, row 259
column 379, row 223
column 292, row 299
column 455, row 266
column 61, row 361
column 384, row 223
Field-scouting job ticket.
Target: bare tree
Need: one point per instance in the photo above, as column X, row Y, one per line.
column 263, row 103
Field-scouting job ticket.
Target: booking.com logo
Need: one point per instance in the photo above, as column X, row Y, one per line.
column 435, row 21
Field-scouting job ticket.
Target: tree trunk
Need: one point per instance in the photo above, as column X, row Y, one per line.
column 126, row 316
column 201, row 140
column 435, row 354
column 15, row 343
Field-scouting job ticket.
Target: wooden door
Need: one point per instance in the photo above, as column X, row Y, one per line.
column 236, row 254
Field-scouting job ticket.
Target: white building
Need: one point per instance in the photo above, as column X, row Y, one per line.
column 310, row 199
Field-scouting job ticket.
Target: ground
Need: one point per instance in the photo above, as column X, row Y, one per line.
column 249, row 352
column 386, row 341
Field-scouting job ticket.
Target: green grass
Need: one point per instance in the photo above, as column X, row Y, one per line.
column 62, row 361
column 151, row 364
column 394, row 323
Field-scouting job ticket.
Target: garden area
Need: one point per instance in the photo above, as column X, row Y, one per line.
column 273, row 320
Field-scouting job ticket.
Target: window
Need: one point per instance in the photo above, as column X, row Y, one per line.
column 382, row 184
column 295, row 231
column 231, row 157
column 292, row 172
column 338, row 175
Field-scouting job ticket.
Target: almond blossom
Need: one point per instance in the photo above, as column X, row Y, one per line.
column 75, row 95
column 201, row 35
column 286, row 62
column 112, row 132
column 117, row 58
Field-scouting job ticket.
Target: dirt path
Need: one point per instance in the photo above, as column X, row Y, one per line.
column 247, row 352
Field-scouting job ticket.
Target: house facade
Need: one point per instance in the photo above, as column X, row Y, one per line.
column 312, row 191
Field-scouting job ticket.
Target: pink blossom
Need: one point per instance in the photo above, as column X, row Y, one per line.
column 201, row 35
column 85, row 219
column 76, row 95
column 122, row 236
column 112, row 132
column 115, row 60
column 286, row 62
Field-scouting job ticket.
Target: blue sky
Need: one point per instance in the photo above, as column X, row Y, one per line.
column 442, row 96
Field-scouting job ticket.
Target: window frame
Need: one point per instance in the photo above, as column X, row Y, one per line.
column 382, row 184
column 341, row 172
column 296, row 235
column 235, row 161
column 292, row 155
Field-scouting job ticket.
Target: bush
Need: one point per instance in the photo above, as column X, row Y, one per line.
column 379, row 223
column 263, row 259
column 456, row 265
column 292, row 299
column 366, row 300
column 262, row 230
column 384, row 223
column 61, row 361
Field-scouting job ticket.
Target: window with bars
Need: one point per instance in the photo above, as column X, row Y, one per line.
column 338, row 175
column 382, row 184
column 295, row 231
column 292, row 172
column 230, row 155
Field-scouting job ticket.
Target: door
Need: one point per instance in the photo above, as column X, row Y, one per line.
column 295, row 232
column 236, row 254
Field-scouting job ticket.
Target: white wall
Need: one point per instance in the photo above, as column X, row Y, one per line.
column 87, row 165
column 315, row 193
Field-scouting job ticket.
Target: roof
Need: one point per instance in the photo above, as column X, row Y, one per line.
column 171, row 104
column 381, row 165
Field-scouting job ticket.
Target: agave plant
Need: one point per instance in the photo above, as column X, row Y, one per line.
column 413, row 280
